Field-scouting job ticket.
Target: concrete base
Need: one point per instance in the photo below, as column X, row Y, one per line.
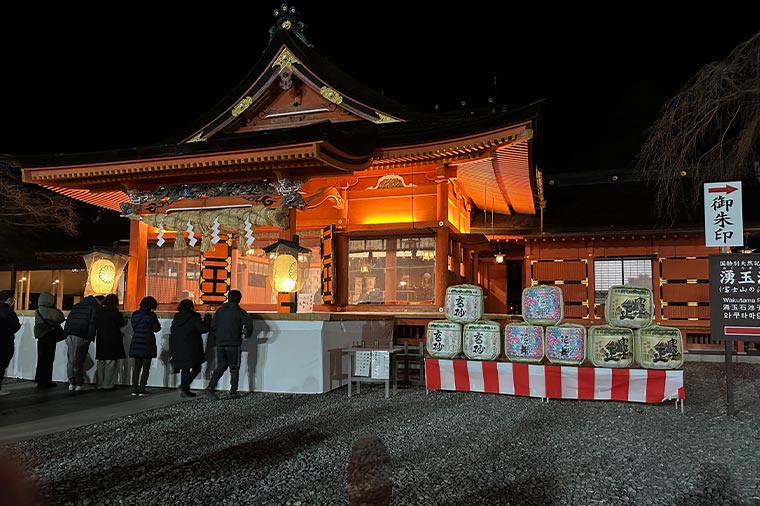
column 300, row 356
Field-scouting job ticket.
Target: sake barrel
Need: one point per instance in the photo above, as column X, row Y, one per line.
column 610, row 347
column 524, row 342
column 565, row 344
column 542, row 305
column 658, row 347
column 629, row 306
column 444, row 339
column 464, row 303
column 481, row 340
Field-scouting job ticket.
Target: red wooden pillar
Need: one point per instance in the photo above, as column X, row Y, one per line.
column 441, row 264
column 138, row 265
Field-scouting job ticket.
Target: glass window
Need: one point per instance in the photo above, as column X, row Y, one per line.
column 391, row 271
column 173, row 274
column 253, row 270
column 635, row 271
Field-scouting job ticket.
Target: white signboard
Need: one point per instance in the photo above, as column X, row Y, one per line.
column 724, row 224
column 380, row 365
column 363, row 361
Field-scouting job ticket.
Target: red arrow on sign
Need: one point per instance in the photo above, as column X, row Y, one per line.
column 742, row 331
column 722, row 189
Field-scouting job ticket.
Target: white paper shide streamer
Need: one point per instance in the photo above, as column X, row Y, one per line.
column 190, row 234
column 248, row 233
column 215, row 231
column 160, row 241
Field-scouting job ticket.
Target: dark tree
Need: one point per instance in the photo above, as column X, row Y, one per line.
column 709, row 131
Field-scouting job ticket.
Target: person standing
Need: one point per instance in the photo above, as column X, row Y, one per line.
column 230, row 325
column 186, row 343
column 143, row 348
column 109, row 352
column 47, row 331
column 80, row 332
column 9, row 325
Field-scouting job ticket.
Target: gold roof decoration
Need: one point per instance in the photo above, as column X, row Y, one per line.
column 285, row 60
column 382, row 118
column 331, row 95
column 241, row 106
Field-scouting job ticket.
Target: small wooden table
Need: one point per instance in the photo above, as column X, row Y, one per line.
column 392, row 369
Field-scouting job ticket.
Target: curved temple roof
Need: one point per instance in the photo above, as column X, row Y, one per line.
column 297, row 116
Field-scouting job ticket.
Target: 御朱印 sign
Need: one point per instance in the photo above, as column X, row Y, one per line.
column 724, row 223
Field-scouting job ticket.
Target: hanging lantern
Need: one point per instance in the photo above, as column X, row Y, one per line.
column 104, row 270
column 284, row 273
column 288, row 265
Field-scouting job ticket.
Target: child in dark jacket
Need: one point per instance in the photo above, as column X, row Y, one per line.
column 143, row 348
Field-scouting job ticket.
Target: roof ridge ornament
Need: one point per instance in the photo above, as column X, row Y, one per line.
column 287, row 19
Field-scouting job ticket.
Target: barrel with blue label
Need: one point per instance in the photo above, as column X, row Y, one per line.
column 542, row 305
column 481, row 340
column 610, row 347
column 444, row 339
column 659, row 347
column 565, row 344
column 524, row 342
column 464, row 303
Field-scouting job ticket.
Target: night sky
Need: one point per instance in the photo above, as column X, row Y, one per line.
column 82, row 78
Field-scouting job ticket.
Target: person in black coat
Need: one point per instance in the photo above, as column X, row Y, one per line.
column 186, row 343
column 143, row 348
column 230, row 325
column 109, row 352
column 47, row 331
column 9, row 325
column 80, row 332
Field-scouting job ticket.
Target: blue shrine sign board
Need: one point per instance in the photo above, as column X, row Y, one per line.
column 735, row 297
column 724, row 223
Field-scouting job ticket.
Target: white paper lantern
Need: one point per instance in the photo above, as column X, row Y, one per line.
column 284, row 273
column 102, row 276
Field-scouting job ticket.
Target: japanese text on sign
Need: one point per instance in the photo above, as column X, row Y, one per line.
column 734, row 291
column 724, row 224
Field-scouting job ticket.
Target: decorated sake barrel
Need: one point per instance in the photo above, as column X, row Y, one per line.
column 464, row 303
column 658, row 347
column 610, row 346
column 565, row 344
column 481, row 340
column 629, row 306
column 444, row 339
column 524, row 342
column 542, row 305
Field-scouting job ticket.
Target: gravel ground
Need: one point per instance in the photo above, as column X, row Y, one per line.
column 441, row 448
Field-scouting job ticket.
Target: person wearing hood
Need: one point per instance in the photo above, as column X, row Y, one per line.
column 230, row 325
column 80, row 332
column 109, row 353
column 47, row 331
column 143, row 347
column 186, row 344
column 9, row 325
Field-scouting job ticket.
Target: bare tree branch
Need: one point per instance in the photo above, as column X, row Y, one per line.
column 709, row 131
column 31, row 207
